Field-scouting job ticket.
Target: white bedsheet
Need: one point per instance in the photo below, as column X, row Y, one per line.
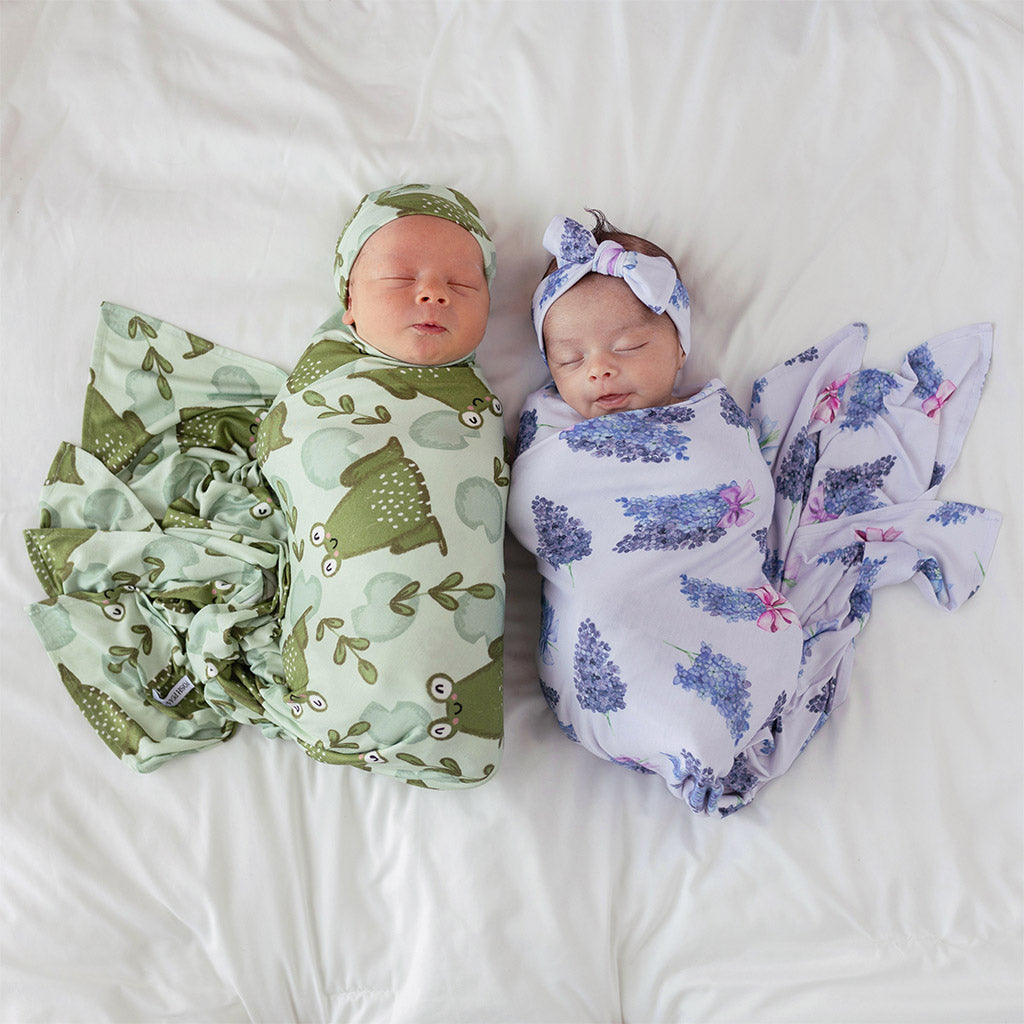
column 809, row 165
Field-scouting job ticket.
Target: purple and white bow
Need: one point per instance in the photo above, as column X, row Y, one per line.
column 651, row 278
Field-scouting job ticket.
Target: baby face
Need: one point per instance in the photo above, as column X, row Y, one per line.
column 417, row 291
column 607, row 351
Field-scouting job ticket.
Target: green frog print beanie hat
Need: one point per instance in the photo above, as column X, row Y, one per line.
column 387, row 204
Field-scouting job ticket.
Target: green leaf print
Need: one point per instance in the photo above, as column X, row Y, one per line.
column 137, row 324
column 200, row 346
column 355, row 644
column 397, row 603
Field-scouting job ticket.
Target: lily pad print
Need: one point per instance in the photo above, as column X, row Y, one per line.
column 385, row 615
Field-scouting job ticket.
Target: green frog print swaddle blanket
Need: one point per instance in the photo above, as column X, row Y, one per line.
column 319, row 555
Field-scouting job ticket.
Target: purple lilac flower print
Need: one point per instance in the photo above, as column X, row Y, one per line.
column 953, row 513
column 758, row 390
column 527, row 431
column 860, row 597
column 598, row 685
column 930, row 569
column 576, row 243
column 852, row 490
column 650, row 435
column 706, row 788
column 849, row 555
column 807, row 356
column 552, row 286
column 731, row 412
column 671, row 522
column 551, row 695
column 632, row 764
column 821, row 703
column 741, row 778
column 793, row 478
column 730, row 603
column 774, row 724
column 679, row 298
column 561, row 538
column 772, row 567
column 548, row 631
column 929, row 376
column 569, row 730
column 723, row 683
column 867, row 399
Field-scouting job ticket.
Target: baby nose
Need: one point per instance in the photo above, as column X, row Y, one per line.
column 433, row 291
column 600, row 368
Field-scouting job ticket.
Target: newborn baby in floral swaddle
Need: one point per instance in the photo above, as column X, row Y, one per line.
column 319, row 555
column 706, row 570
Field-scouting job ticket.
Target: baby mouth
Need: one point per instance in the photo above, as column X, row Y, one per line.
column 612, row 401
column 429, row 328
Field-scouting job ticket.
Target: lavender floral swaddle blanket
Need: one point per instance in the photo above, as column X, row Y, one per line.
column 706, row 570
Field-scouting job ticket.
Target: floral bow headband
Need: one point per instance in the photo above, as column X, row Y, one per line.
column 652, row 279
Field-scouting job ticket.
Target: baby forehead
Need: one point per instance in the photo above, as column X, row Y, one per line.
column 422, row 237
column 598, row 299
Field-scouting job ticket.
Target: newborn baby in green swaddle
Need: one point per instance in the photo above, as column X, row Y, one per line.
column 319, row 555
column 395, row 499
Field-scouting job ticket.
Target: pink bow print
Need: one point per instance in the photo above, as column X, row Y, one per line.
column 934, row 403
column 815, row 511
column 737, row 499
column 828, row 400
column 777, row 614
column 874, row 533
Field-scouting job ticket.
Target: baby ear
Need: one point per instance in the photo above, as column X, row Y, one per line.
column 348, row 318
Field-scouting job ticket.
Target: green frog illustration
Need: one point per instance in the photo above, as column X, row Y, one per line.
column 319, row 751
column 321, row 358
column 121, row 733
column 296, row 669
column 457, row 387
column 108, row 601
column 270, row 433
column 62, row 469
column 225, row 427
column 238, row 685
column 50, row 550
column 387, row 506
column 410, row 203
column 473, row 705
column 115, row 440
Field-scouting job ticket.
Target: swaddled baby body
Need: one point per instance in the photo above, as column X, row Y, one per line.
column 320, row 555
column 705, row 569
